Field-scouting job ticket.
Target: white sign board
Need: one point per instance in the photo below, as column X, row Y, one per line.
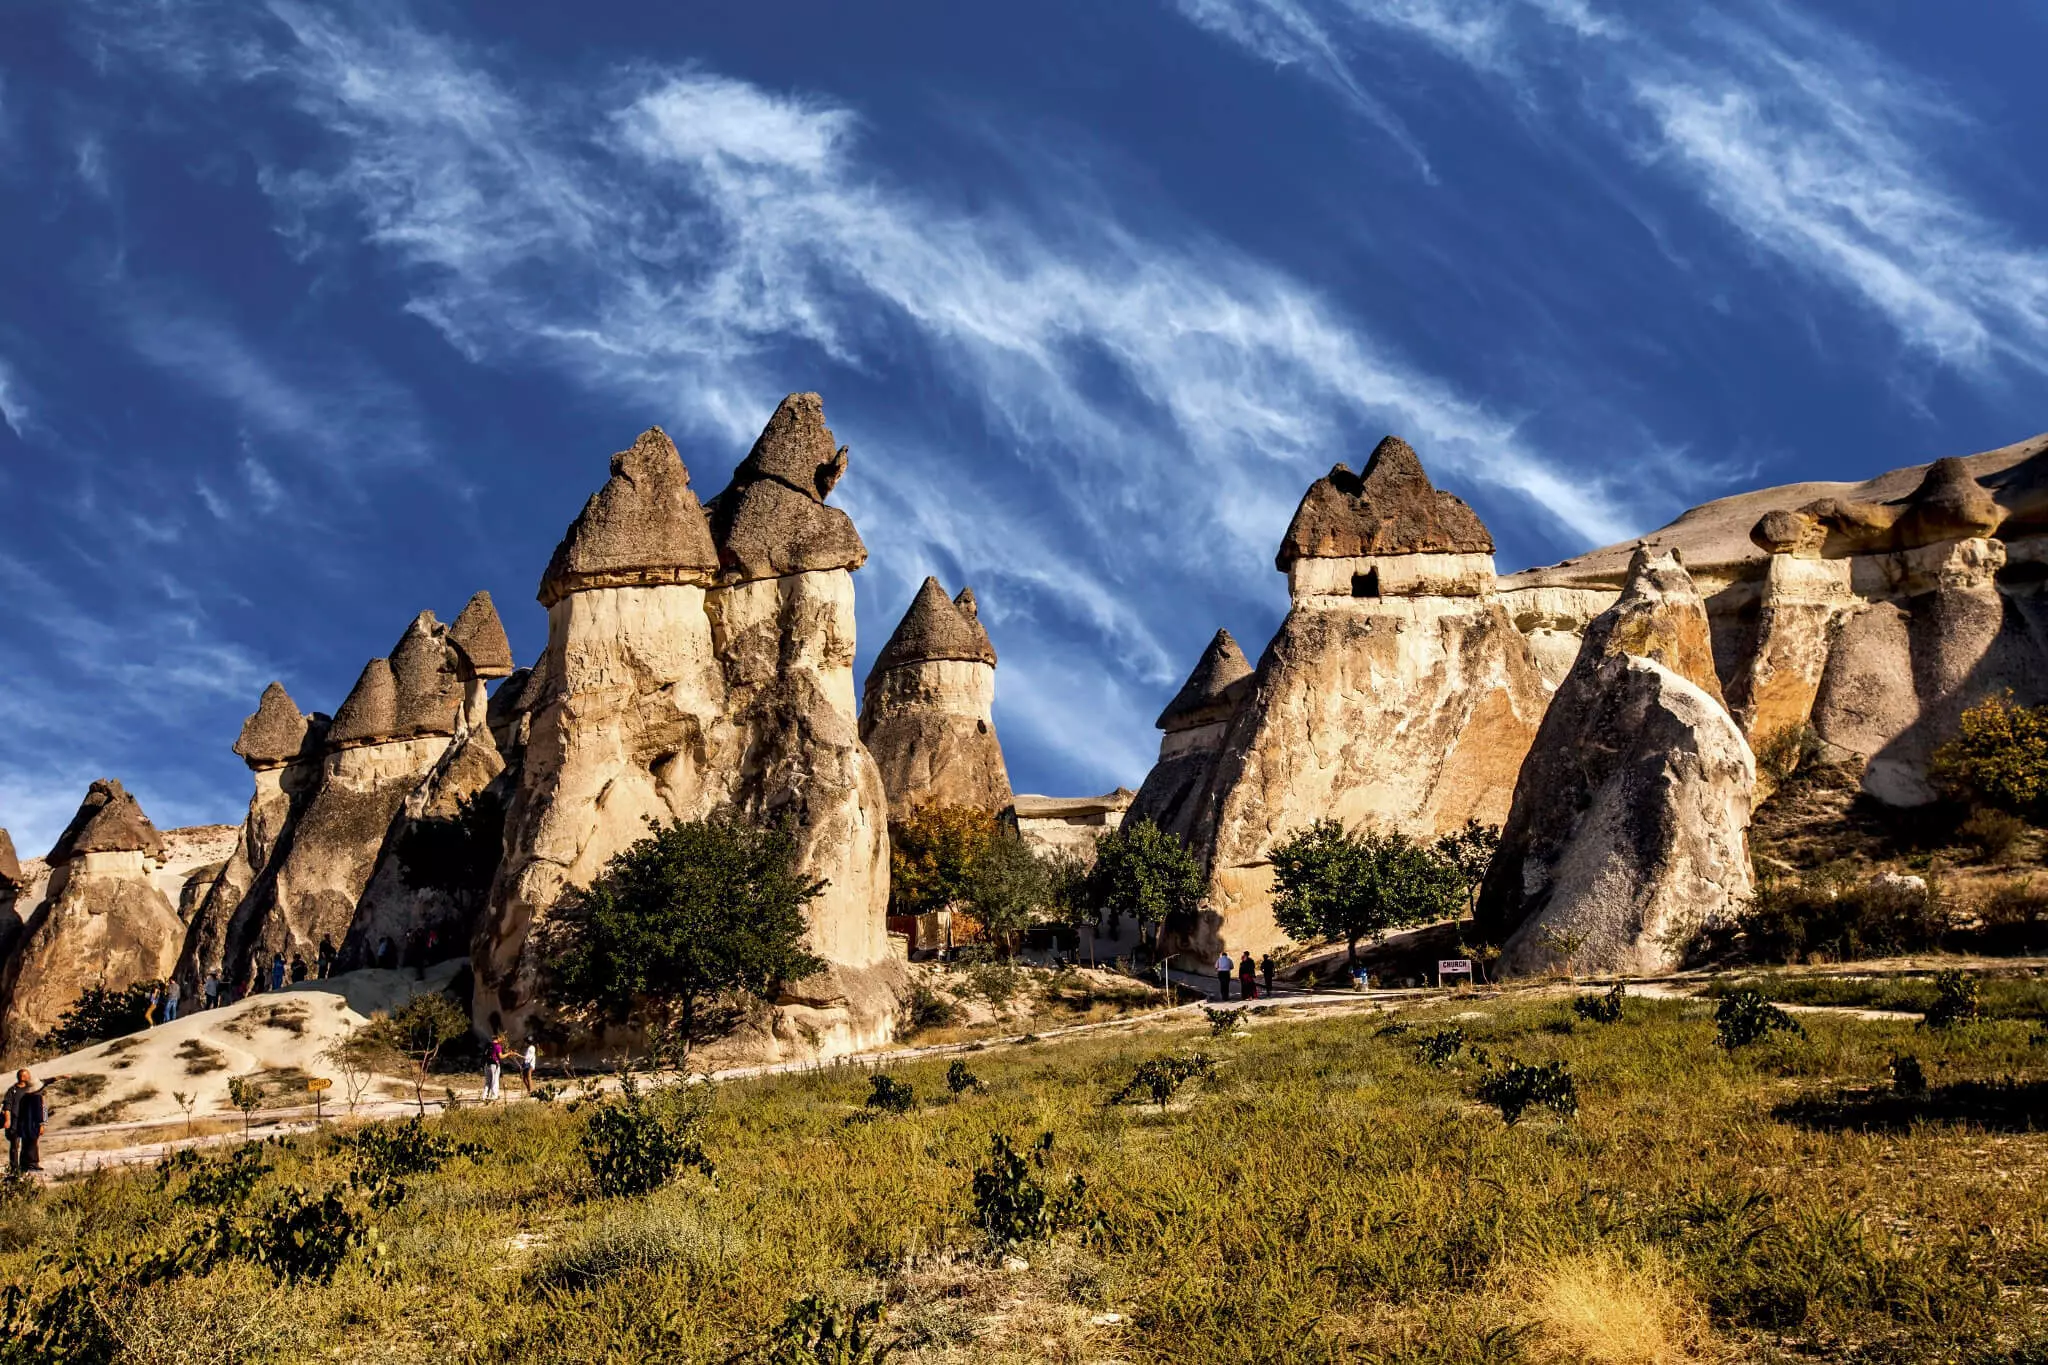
column 1453, row 966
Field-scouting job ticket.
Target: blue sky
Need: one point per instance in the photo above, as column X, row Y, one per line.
column 313, row 316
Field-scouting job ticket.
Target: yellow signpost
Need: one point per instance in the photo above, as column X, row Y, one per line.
column 319, row 1085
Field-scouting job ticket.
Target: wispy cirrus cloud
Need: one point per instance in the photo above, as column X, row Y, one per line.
column 1810, row 144
column 14, row 409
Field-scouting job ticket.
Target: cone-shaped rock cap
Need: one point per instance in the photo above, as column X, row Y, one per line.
column 10, row 866
column 970, row 607
column 1660, row 615
column 1948, row 505
column 1391, row 509
column 933, row 628
column 429, row 692
column 109, row 820
column 275, row 734
column 796, row 449
column 369, row 715
column 643, row 527
column 480, row 635
column 1210, row 691
column 772, row 519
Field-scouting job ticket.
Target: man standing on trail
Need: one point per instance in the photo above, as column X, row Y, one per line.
column 1224, row 966
column 172, row 993
column 210, row 993
column 23, row 1111
column 1266, row 970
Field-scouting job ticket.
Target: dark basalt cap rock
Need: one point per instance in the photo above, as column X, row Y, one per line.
column 429, row 692
column 644, row 527
column 109, row 820
column 1212, row 690
column 369, row 715
column 11, row 879
column 1391, row 509
column 933, row 628
column 1948, row 505
column 796, row 449
column 275, row 734
column 970, row 608
column 771, row 519
column 480, row 635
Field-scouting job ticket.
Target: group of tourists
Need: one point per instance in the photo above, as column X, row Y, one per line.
column 494, row 1065
column 1249, row 969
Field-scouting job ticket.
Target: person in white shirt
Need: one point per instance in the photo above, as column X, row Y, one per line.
column 1224, row 967
column 528, row 1060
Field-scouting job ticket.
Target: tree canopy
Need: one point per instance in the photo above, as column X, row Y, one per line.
column 1144, row 872
column 1334, row 883
column 1999, row 758
column 1469, row 852
column 1007, row 889
column 932, row 853
column 695, row 911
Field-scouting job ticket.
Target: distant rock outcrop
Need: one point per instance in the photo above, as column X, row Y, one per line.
column 1629, row 829
column 1195, row 723
column 697, row 661
column 927, row 712
column 103, row 921
column 1397, row 694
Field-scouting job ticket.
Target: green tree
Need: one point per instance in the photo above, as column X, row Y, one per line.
column 1067, row 900
column 1143, row 872
column 1469, row 852
column 1332, row 883
column 417, row 1031
column 1006, row 889
column 932, row 852
column 1999, row 758
column 694, row 911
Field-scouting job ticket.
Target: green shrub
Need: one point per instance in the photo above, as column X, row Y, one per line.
column 960, row 1080
column 1786, row 750
column 1745, row 1017
column 1439, row 1049
column 1841, row 918
column 639, row 1237
column 1909, row 1080
column 811, row 1333
column 927, row 1009
column 1516, row 1087
column 1995, row 832
column 1158, row 1079
column 225, row 1183
column 1222, row 1022
column 304, row 1236
column 97, row 1015
column 888, row 1095
column 387, row 1153
column 1999, row 758
column 1011, row 1202
column 1601, row 1009
column 1955, row 1000
column 639, row 1141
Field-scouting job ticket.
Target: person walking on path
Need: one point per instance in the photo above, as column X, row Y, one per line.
column 1266, row 970
column 277, row 970
column 210, row 992
column 528, row 1061
column 298, row 967
column 1224, row 966
column 23, row 1110
column 1248, row 975
column 172, row 994
column 156, row 1003
column 494, row 1063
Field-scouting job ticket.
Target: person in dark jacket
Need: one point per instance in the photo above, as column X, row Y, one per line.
column 1248, row 974
column 1266, row 971
column 24, row 1112
column 277, row 970
column 326, row 957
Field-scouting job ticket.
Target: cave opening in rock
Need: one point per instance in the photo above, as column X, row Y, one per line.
column 1366, row 584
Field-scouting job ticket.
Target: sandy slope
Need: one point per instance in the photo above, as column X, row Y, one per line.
column 278, row 1036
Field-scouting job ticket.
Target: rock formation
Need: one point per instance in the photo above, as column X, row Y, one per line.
column 103, row 921
column 1874, row 612
column 1397, row 694
column 696, row 660
column 13, row 881
column 1195, row 722
column 1628, row 832
column 927, row 711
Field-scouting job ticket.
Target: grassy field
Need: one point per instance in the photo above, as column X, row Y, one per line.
column 1326, row 1194
column 2016, row 995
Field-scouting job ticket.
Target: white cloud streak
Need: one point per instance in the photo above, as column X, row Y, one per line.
column 1808, row 143
column 14, row 408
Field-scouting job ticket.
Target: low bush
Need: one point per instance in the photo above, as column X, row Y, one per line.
column 1956, row 1000
column 960, row 1080
column 640, row 1140
column 1996, row 833
column 1441, row 1048
column 220, row 1184
column 1837, row 917
column 1158, row 1079
column 1515, row 1088
column 1745, row 1017
column 638, row 1237
column 98, row 1015
column 1909, row 1080
column 1012, row 1203
column 1222, row 1022
column 926, row 1009
column 1601, row 1009
column 888, row 1095
column 811, row 1333
column 304, row 1236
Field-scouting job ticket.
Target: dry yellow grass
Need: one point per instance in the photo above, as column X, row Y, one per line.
column 1602, row 1310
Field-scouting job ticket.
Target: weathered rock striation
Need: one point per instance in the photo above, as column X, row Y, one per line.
column 698, row 659
column 927, row 711
column 103, row 921
column 1397, row 693
column 1628, row 833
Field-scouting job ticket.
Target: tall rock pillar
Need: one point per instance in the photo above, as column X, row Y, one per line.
column 927, row 712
